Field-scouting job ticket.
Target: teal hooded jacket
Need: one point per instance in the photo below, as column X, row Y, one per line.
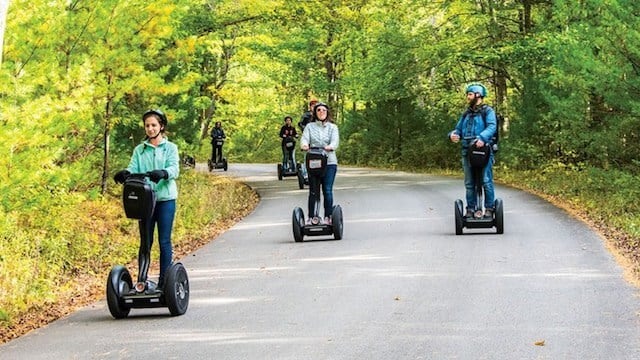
column 147, row 157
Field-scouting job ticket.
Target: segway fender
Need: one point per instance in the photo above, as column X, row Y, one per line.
column 337, row 222
column 176, row 289
column 297, row 220
column 119, row 281
column 458, row 208
column 499, row 216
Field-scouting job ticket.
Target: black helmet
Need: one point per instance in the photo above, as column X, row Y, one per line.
column 159, row 113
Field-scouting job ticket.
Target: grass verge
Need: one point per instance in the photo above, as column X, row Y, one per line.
column 94, row 235
column 606, row 200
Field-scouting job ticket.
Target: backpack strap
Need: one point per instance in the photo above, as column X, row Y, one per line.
column 483, row 112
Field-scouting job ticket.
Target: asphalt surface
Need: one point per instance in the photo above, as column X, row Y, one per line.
column 400, row 285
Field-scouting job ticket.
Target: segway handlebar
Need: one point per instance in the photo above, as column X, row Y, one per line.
column 316, row 148
column 139, row 175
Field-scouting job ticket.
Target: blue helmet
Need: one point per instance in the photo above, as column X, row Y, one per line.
column 477, row 88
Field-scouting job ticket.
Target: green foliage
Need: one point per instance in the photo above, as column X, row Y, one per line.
column 44, row 252
column 589, row 189
column 77, row 75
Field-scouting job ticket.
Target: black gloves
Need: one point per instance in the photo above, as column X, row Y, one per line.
column 157, row 175
column 121, row 176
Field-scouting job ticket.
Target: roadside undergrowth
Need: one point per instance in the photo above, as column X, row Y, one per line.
column 606, row 200
column 38, row 286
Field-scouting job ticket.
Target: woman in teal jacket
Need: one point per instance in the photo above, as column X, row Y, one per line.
column 158, row 157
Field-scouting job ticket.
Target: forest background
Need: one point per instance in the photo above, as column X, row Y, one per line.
column 76, row 75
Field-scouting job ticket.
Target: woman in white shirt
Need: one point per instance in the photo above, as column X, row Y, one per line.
column 321, row 132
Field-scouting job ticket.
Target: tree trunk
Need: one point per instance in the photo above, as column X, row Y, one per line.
column 4, row 7
column 106, row 137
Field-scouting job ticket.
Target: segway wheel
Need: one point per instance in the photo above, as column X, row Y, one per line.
column 118, row 284
column 300, row 178
column 176, row 289
column 210, row 164
column 298, row 223
column 225, row 164
column 499, row 216
column 279, row 171
column 458, row 208
column 336, row 220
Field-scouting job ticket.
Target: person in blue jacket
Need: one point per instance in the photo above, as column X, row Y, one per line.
column 159, row 157
column 473, row 128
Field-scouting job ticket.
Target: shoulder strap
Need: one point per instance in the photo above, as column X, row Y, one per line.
column 483, row 113
column 496, row 135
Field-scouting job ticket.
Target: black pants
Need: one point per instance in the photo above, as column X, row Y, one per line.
column 216, row 153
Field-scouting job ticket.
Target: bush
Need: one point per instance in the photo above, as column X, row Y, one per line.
column 45, row 252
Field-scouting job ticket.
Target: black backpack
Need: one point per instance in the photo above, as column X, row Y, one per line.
column 499, row 118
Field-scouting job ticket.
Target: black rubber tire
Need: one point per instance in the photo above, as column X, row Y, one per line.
column 337, row 222
column 300, row 180
column 118, row 283
column 458, row 208
column 210, row 165
column 279, row 171
column 499, row 216
column 225, row 164
column 297, row 220
column 176, row 289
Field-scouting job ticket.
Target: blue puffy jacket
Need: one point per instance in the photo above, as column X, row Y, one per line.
column 471, row 126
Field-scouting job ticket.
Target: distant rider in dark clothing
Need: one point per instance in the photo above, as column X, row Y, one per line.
column 287, row 132
column 217, row 140
column 307, row 116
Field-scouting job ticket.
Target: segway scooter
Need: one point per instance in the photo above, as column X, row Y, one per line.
column 496, row 220
column 122, row 294
column 289, row 167
column 214, row 163
column 316, row 162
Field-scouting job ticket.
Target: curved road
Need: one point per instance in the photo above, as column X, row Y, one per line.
column 400, row 285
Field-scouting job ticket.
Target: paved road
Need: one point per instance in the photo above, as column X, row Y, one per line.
column 400, row 285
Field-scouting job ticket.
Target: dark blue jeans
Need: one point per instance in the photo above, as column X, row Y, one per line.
column 487, row 182
column 288, row 158
column 326, row 182
column 163, row 215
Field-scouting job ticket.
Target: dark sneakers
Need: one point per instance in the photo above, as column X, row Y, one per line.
column 488, row 213
column 469, row 213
